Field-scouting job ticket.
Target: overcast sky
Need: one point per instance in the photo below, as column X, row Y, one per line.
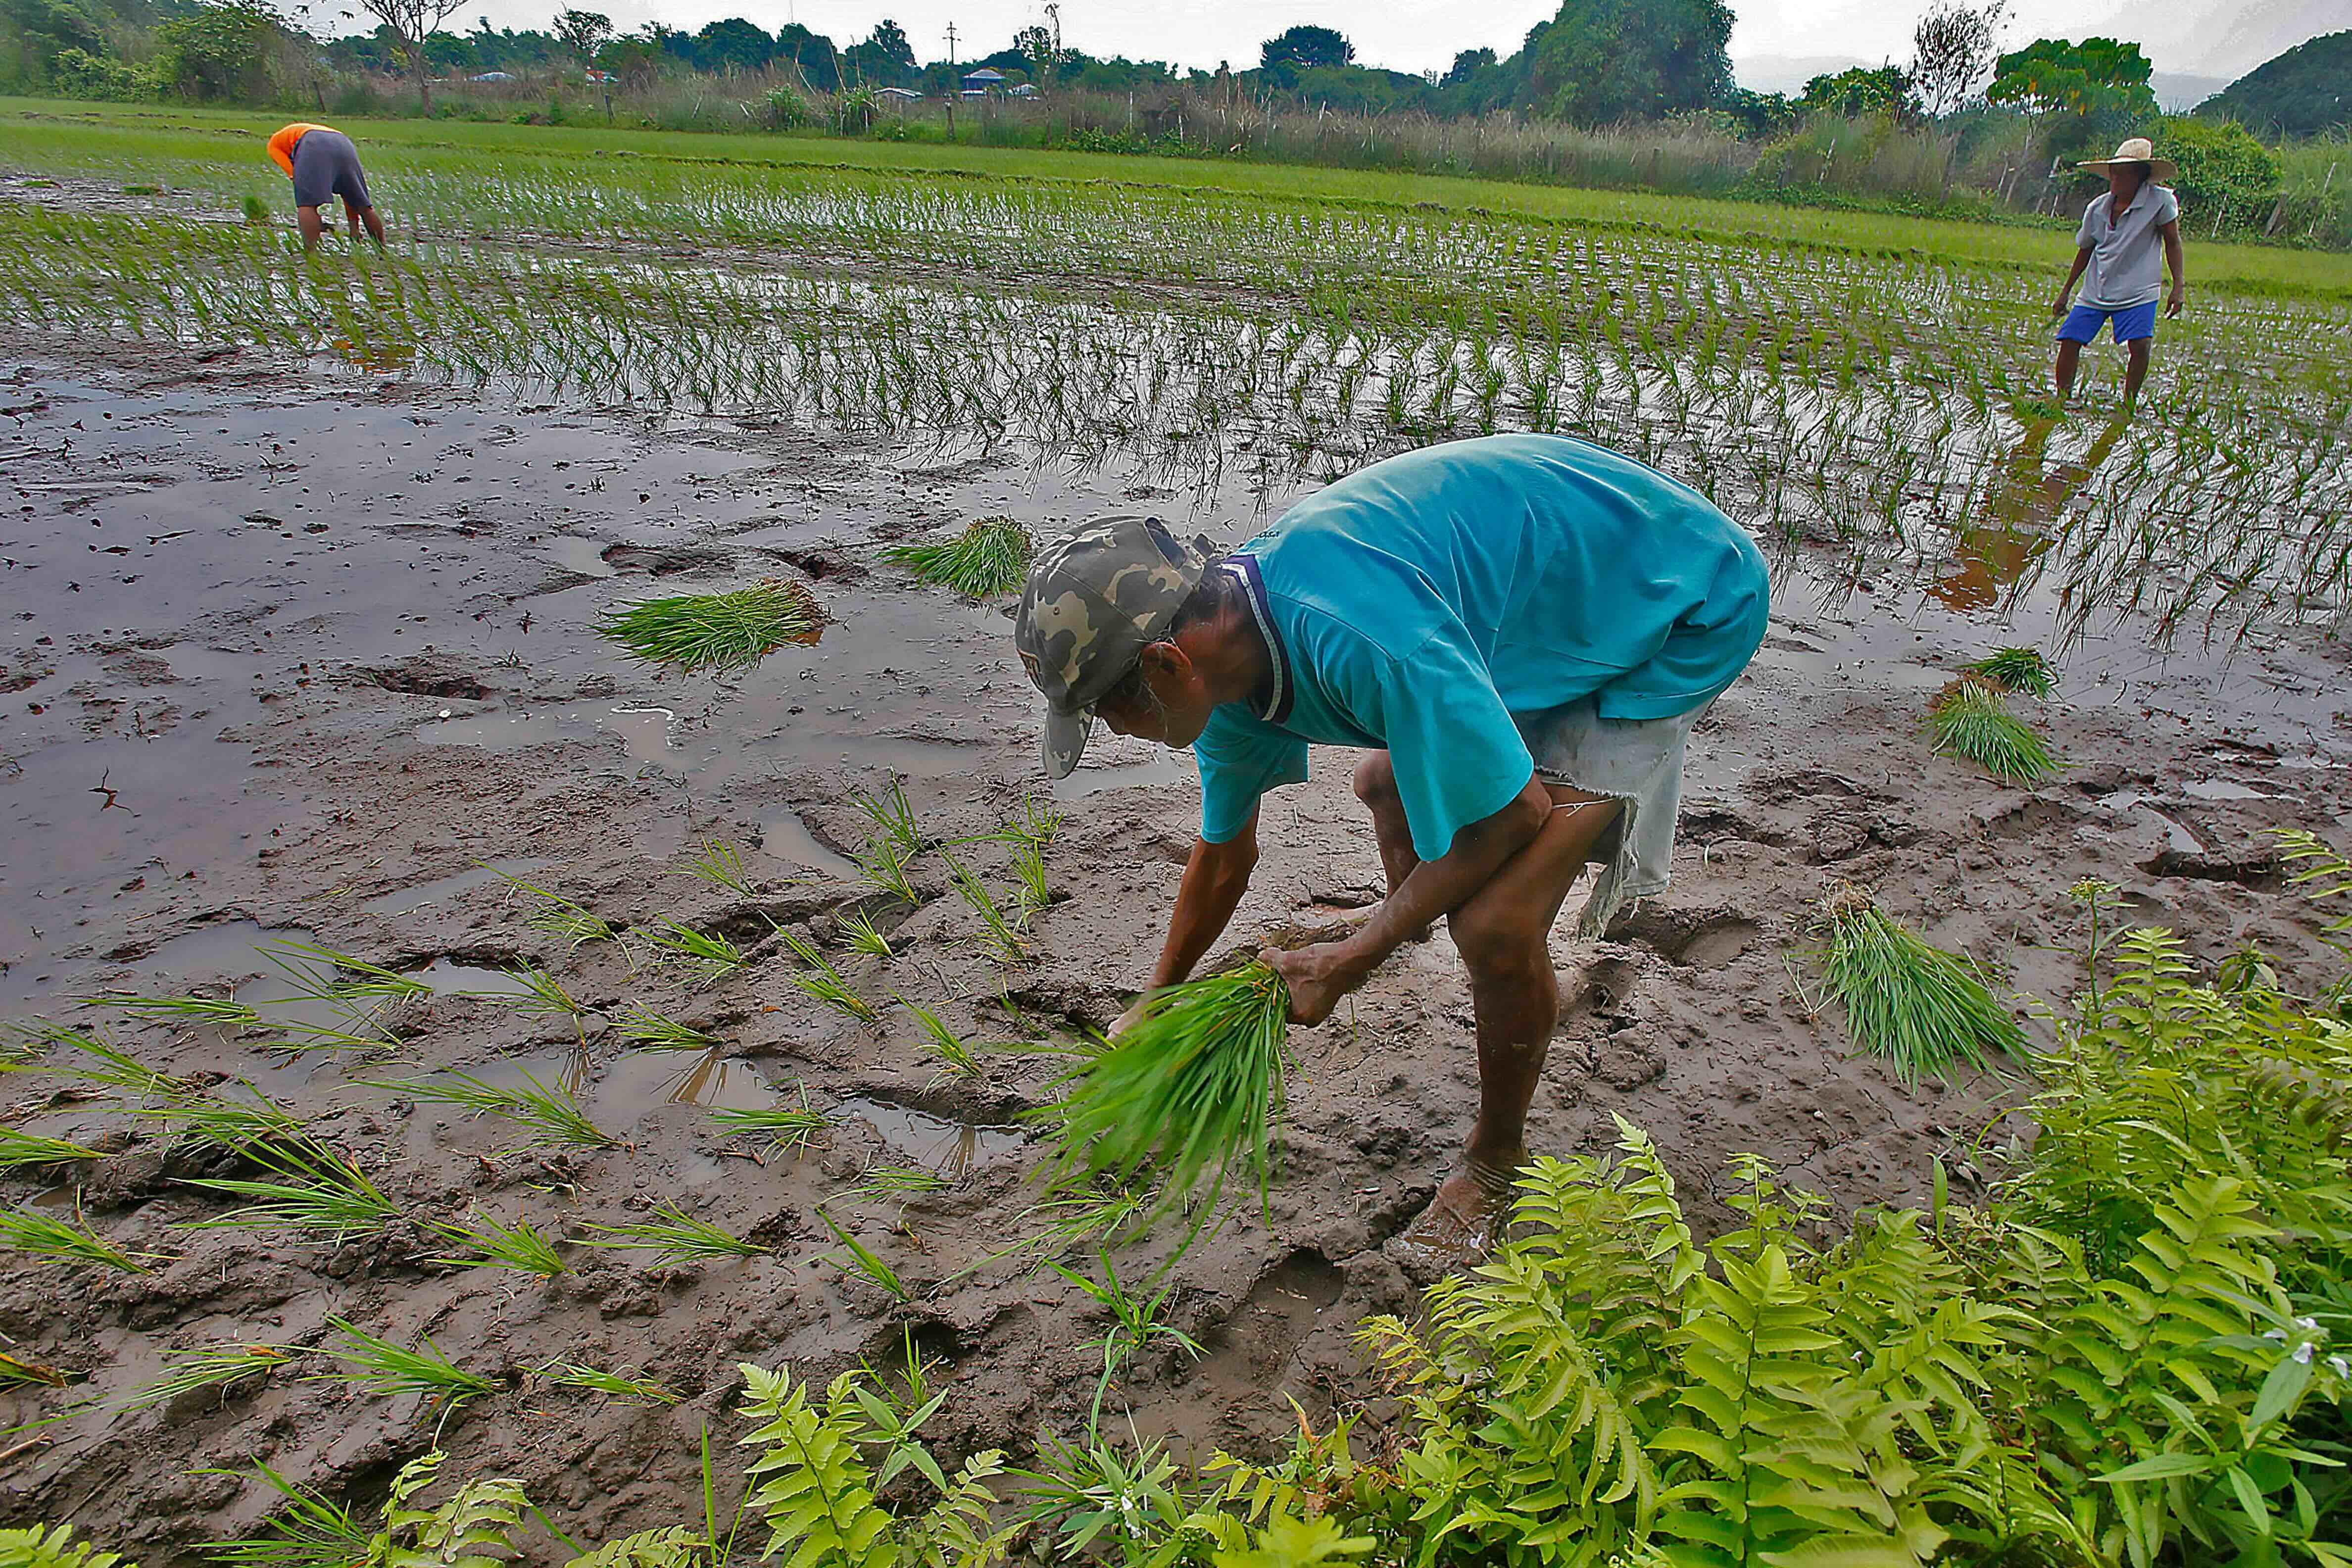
column 2204, row 36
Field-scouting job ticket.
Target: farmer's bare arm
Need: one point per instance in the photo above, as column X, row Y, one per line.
column 2067, row 290
column 1318, row 977
column 1215, row 878
column 2179, row 276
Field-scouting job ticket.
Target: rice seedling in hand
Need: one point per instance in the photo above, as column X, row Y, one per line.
column 662, row 1033
column 673, row 1236
column 2017, row 670
column 721, row 864
column 785, row 1129
column 1135, row 1325
column 44, row 1234
column 1906, row 1000
column 864, row 1263
column 892, row 818
column 822, row 983
column 722, row 631
column 311, row 1530
column 559, row 917
column 383, row 1368
column 29, row 1151
column 612, row 1384
column 1193, row 1087
column 991, row 556
column 956, row 1057
column 704, row 956
column 1970, row 720
column 551, row 1113
column 858, row 930
column 521, row 1246
column 315, row 1189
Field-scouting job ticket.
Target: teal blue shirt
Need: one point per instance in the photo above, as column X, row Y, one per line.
column 1418, row 604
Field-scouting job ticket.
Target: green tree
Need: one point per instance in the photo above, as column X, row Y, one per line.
column 1600, row 62
column 2303, row 92
column 411, row 22
column 1952, row 49
column 812, row 53
column 50, row 27
column 582, row 32
column 733, row 45
column 1855, row 92
column 217, row 52
column 2089, row 95
column 1303, row 47
column 885, row 60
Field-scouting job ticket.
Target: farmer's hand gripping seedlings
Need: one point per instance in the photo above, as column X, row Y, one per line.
column 1522, row 629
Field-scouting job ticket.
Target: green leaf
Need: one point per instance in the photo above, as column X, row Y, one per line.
column 2157, row 1467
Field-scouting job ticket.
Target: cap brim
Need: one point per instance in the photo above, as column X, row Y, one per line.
column 1065, row 740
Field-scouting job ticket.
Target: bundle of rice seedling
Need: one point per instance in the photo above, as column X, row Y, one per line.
column 1970, row 720
column 2019, row 670
column 717, row 631
column 1193, row 1087
column 1906, row 1000
column 992, row 557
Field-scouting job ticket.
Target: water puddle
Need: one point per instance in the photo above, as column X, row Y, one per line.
column 1158, row 772
column 644, row 732
column 949, row 1147
column 405, row 899
column 585, row 556
column 2222, row 789
column 786, row 836
column 448, row 979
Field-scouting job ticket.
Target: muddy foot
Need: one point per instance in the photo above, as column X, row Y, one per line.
column 1463, row 1223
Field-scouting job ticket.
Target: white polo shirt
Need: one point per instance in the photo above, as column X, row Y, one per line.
column 2126, row 255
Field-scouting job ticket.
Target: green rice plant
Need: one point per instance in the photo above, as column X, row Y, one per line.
column 704, row 956
column 551, row 1113
column 1035, row 824
column 892, row 818
column 721, row 864
column 257, row 211
column 116, row 1067
column 612, row 1384
column 991, row 556
column 213, row 1121
column 821, row 982
column 998, row 935
column 722, row 631
column 45, row 1235
column 1919, row 1007
column 521, row 1246
column 786, row 1129
column 381, row 1367
column 1193, row 1087
column 218, row 1367
column 860, row 931
column 1035, row 896
column 881, row 1184
column 311, row 1530
column 955, row 1056
column 29, row 1151
column 218, row 1012
column 864, row 1263
column 673, row 1236
column 559, row 917
column 315, row 1189
column 883, row 863
column 367, row 998
column 2016, row 669
column 1078, row 1214
column 540, row 995
column 662, row 1033
column 1135, row 1326
column 1970, row 720
column 16, row 1374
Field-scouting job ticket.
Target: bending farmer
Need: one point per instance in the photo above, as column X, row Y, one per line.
column 1520, row 631
column 323, row 164
column 2117, row 261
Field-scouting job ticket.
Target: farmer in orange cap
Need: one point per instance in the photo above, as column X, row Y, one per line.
column 323, row 164
column 2128, row 236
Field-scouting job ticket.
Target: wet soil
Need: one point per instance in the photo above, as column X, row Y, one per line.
column 293, row 657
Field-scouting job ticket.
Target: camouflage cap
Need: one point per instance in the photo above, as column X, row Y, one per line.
column 1094, row 600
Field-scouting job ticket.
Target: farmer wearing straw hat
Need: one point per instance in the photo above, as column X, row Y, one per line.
column 323, row 164
column 2117, row 261
column 1520, row 631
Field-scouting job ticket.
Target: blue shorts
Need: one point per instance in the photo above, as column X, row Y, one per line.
column 2133, row 323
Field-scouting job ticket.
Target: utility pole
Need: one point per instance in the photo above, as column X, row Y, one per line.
column 955, row 82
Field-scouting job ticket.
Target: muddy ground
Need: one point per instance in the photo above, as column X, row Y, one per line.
column 291, row 656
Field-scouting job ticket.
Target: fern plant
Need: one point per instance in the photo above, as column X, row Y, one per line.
column 53, row 1547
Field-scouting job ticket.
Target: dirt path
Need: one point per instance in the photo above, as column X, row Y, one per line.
column 288, row 660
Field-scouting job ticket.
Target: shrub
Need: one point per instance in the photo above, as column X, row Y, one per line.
column 787, row 109
column 80, row 74
column 2224, row 171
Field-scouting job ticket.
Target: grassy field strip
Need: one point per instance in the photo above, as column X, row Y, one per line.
column 102, row 138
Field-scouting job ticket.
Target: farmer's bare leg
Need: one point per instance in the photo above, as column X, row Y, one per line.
column 2135, row 368
column 2070, row 355
column 311, row 224
column 1504, row 933
column 1376, row 788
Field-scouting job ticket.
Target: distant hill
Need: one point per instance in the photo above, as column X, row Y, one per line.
column 2177, row 94
column 2306, row 90
column 2226, row 40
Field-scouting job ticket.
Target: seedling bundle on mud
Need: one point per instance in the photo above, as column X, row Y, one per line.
column 1921, row 1008
column 718, row 632
column 1191, row 1090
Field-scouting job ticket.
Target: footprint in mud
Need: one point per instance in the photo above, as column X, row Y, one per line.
column 1250, row 1350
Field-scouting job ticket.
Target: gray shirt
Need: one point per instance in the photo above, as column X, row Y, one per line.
column 2128, row 255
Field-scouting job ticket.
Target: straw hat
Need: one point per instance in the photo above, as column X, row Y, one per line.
column 2138, row 150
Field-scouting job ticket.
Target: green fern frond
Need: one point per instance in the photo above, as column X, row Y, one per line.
column 53, row 1547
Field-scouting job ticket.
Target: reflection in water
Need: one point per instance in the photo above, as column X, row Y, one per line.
column 379, row 356
column 1998, row 547
column 950, row 1148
